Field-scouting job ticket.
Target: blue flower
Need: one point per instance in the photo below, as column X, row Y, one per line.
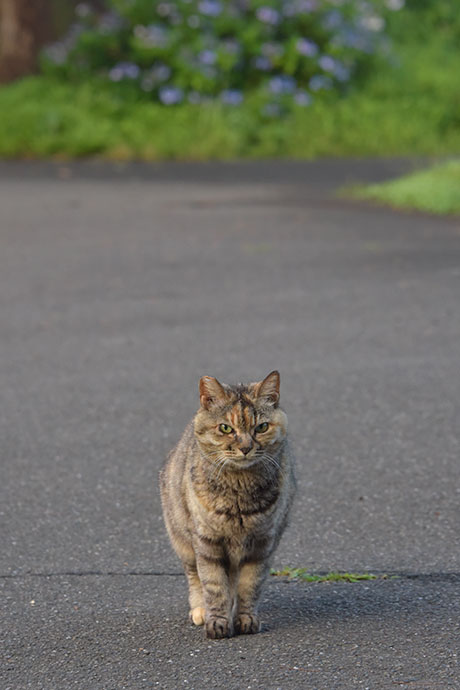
column 327, row 63
column 57, row 53
column 170, row 95
column 299, row 7
column 110, row 22
column 271, row 49
column 230, row 45
column 263, row 63
column 302, row 98
column 207, row 57
column 307, row 5
column 211, row 8
column 231, row 97
column 306, row 47
column 161, row 72
column 333, row 20
column 354, row 38
column 341, row 72
column 372, row 22
column 124, row 70
column 83, row 10
column 281, row 84
column 318, row 82
column 268, row 15
column 165, row 9
column 153, row 35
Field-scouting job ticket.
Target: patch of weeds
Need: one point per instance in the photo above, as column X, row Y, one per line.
column 303, row 575
column 436, row 190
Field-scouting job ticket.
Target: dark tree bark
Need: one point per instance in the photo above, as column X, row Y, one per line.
column 25, row 25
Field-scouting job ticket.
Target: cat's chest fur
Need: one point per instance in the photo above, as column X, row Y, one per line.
column 236, row 505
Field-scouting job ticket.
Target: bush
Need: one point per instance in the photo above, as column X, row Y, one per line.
column 283, row 51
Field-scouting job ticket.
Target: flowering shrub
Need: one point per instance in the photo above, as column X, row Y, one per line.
column 284, row 51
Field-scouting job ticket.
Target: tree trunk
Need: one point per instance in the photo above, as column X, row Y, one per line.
column 25, row 25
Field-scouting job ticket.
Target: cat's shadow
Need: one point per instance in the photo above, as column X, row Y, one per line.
column 287, row 603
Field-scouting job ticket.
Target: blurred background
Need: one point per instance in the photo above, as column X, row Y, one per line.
column 201, row 79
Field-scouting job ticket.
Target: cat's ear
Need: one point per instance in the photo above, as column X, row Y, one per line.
column 268, row 390
column 211, row 392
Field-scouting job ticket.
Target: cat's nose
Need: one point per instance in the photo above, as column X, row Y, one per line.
column 246, row 449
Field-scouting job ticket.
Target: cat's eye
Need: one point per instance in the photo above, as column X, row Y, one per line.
column 261, row 428
column 225, row 428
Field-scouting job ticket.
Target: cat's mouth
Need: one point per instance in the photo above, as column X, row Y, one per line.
column 243, row 460
column 234, row 460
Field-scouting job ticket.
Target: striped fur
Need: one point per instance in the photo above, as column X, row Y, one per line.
column 226, row 497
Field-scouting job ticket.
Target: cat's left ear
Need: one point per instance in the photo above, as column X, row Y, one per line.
column 268, row 390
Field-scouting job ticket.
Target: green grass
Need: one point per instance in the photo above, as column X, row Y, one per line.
column 40, row 117
column 436, row 190
column 302, row 574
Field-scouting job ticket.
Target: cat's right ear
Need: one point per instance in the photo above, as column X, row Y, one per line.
column 211, row 392
column 269, row 389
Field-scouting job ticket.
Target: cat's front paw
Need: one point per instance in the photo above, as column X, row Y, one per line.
column 247, row 624
column 218, row 627
column 197, row 615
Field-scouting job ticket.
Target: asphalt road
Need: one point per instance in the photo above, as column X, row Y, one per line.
column 120, row 285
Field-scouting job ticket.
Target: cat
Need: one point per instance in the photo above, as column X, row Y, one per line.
column 226, row 490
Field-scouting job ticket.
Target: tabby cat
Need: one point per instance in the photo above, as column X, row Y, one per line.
column 226, row 489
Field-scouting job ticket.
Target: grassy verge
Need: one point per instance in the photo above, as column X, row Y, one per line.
column 436, row 190
column 302, row 574
column 40, row 117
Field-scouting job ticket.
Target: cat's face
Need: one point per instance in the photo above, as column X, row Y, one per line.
column 240, row 426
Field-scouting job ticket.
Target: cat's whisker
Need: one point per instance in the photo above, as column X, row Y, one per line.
column 269, row 455
column 219, row 465
column 272, row 459
column 267, row 464
column 214, row 456
column 266, row 457
column 217, row 462
column 222, row 467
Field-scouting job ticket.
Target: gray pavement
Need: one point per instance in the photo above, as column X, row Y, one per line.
column 120, row 285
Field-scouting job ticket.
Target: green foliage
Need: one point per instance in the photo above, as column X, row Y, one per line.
column 423, row 18
column 436, row 190
column 43, row 117
column 201, row 50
